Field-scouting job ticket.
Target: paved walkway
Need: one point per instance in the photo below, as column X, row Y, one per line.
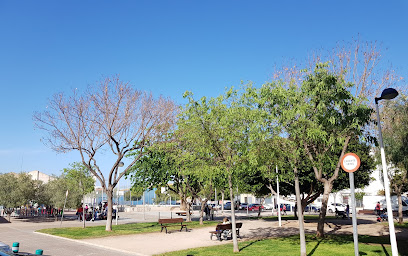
column 155, row 243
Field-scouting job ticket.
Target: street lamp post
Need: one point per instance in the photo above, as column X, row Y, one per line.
column 117, row 193
column 387, row 94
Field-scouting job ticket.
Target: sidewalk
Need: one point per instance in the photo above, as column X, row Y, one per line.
column 156, row 243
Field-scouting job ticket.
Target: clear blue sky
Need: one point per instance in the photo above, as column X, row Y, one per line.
column 166, row 47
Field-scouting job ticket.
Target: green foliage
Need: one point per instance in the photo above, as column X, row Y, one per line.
column 359, row 195
column 79, row 178
column 55, row 191
column 135, row 193
column 395, row 137
column 76, row 179
column 16, row 190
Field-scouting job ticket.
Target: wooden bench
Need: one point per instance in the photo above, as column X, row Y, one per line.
column 163, row 223
column 224, row 230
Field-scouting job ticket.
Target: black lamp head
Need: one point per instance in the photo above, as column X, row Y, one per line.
column 387, row 94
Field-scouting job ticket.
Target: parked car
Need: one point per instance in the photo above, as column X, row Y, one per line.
column 268, row 206
column 394, row 204
column 215, row 206
column 255, row 207
column 331, row 208
column 243, row 206
column 312, row 208
column 227, row 206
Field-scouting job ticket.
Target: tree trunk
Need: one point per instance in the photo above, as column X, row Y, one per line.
column 323, row 209
column 109, row 193
column 83, row 212
column 400, row 217
column 300, row 216
column 260, row 208
column 183, row 201
column 222, row 201
column 233, row 222
column 202, row 212
column 188, row 215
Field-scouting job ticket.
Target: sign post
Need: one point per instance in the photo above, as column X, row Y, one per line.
column 63, row 209
column 350, row 163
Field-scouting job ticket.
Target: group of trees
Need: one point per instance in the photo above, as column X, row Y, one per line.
column 239, row 137
column 395, row 136
column 20, row 190
column 303, row 122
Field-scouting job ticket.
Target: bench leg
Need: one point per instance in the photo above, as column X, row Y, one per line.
column 163, row 228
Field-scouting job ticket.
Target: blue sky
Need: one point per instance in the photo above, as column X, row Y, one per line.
column 166, row 47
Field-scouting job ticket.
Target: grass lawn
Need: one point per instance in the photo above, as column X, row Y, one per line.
column 331, row 245
column 124, row 229
column 403, row 225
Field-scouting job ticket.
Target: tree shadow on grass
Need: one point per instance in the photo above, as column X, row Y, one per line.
column 248, row 245
column 314, row 249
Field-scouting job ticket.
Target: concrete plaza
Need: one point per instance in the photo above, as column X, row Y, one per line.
column 23, row 231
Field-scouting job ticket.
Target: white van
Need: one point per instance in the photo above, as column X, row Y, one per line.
column 394, row 204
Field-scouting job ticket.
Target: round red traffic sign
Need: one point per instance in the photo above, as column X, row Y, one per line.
column 350, row 162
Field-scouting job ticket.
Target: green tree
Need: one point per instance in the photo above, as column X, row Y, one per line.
column 55, row 191
column 16, row 190
column 161, row 167
column 395, row 137
column 80, row 182
column 330, row 116
column 219, row 130
column 133, row 194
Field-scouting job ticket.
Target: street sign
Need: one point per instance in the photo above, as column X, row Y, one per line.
column 350, row 162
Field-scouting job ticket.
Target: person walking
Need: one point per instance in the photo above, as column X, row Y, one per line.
column 212, row 212
column 378, row 208
column 207, row 212
column 284, row 209
column 348, row 211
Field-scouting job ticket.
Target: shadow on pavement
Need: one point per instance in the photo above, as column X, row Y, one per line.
column 3, row 220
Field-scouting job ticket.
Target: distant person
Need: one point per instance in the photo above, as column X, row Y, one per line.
column 382, row 217
column 225, row 221
column 348, row 211
column 378, row 208
column 212, row 213
column 207, row 212
column 79, row 212
column 284, row 209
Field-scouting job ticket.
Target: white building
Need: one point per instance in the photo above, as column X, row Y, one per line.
column 37, row 175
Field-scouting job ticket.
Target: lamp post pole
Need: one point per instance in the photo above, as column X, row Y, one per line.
column 387, row 94
column 121, row 164
column 277, row 198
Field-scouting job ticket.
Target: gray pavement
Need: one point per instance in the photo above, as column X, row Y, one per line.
column 30, row 241
column 23, row 231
